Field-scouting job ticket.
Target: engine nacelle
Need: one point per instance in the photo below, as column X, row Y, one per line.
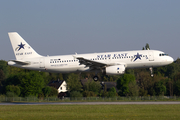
column 115, row 70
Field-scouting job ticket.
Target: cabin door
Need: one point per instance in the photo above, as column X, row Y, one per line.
column 151, row 56
column 41, row 63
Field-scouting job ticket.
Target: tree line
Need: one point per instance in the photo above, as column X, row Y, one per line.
column 135, row 82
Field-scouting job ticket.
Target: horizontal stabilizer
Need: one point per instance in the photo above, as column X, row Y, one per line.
column 19, row 62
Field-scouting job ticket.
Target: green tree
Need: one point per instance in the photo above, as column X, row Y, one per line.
column 169, row 86
column 46, row 90
column 145, row 81
column 74, row 94
column 73, row 83
column 13, row 89
column 53, row 76
column 172, row 70
column 105, row 78
column 112, row 92
column 2, row 77
column 92, row 86
column 130, row 71
column 4, row 67
column 160, row 71
column 30, row 83
column 160, row 88
column 60, row 76
column 53, row 92
column 176, row 84
column 147, row 46
column 111, row 78
column 123, row 82
column 133, row 89
column 15, row 70
column 89, row 94
column 177, row 88
column 104, row 93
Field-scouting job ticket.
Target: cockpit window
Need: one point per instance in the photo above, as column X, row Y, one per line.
column 163, row 54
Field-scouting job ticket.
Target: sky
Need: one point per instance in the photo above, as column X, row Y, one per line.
column 60, row 27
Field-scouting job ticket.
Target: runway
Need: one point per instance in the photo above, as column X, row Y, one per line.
column 90, row 103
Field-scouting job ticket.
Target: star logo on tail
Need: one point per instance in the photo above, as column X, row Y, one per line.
column 20, row 47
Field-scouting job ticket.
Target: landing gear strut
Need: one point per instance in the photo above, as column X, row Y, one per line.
column 96, row 78
column 151, row 70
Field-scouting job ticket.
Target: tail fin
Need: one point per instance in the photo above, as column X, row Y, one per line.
column 21, row 48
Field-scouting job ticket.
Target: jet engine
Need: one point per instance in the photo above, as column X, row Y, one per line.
column 115, row 70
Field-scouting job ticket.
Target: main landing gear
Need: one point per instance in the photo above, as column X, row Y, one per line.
column 95, row 78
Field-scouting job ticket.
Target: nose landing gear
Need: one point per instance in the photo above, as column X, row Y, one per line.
column 151, row 70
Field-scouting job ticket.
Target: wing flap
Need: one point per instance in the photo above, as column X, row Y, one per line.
column 90, row 63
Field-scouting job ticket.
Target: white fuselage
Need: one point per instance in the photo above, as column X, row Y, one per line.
column 69, row 63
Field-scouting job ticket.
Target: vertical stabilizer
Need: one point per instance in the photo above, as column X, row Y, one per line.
column 21, row 48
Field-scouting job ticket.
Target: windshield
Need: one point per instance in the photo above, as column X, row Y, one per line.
column 163, row 54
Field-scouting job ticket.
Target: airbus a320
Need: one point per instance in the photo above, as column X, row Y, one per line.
column 109, row 63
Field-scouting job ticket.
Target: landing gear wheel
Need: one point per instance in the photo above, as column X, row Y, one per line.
column 95, row 78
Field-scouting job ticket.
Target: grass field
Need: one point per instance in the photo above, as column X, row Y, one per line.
column 89, row 112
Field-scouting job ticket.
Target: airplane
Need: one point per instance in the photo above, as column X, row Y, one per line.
column 109, row 63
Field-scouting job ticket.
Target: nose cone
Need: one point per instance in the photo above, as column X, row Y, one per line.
column 170, row 60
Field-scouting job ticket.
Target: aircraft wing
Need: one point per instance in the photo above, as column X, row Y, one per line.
column 90, row 63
